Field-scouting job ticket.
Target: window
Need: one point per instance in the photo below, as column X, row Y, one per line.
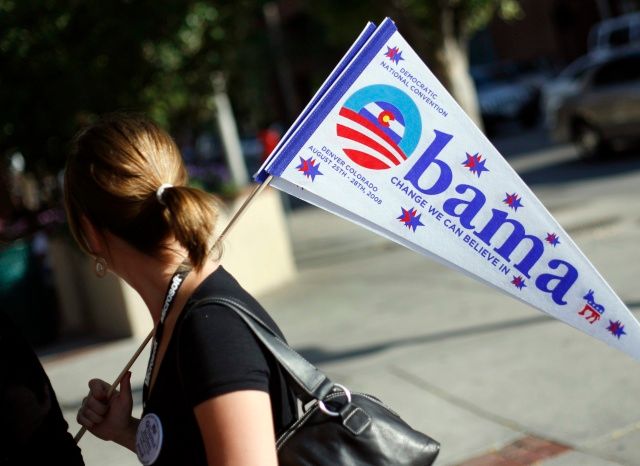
column 621, row 70
column 619, row 36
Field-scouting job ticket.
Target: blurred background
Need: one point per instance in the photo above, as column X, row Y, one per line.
column 555, row 84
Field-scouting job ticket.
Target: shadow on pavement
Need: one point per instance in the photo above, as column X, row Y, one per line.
column 514, row 141
column 578, row 169
column 317, row 355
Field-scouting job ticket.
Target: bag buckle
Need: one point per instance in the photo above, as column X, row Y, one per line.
column 326, row 410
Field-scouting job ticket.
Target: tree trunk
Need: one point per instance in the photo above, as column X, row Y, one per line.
column 444, row 49
column 454, row 58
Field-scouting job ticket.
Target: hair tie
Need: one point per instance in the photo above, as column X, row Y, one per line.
column 160, row 192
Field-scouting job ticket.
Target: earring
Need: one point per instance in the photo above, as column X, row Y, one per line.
column 100, row 267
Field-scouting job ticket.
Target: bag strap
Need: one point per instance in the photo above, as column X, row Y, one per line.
column 308, row 377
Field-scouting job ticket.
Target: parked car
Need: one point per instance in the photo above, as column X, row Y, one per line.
column 605, row 110
column 567, row 83
column 611, row 33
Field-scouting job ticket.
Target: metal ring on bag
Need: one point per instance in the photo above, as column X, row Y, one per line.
column 327, row 411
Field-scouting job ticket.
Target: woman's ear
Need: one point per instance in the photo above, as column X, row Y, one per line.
column 93, row 237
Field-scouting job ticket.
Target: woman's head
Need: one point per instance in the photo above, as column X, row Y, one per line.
column 113, row 174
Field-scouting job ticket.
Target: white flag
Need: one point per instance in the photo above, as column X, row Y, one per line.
column 383, row 144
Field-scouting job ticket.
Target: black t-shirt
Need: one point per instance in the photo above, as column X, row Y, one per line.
column 212, row 352
column 32, row 429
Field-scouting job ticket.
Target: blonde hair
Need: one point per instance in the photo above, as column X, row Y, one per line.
column 113, row 173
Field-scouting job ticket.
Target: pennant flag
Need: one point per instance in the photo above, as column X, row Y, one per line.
column 384, row 145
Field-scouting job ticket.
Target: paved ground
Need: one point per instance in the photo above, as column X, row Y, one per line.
column 496, row 382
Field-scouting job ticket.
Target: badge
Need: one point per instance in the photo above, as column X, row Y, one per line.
column 149, row 439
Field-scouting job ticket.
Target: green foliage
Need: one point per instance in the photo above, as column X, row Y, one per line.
column 426, row 16
column 478, row 13
column 64, row 61
column 427, row 26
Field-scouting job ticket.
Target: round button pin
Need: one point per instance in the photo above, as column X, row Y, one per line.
column 149, row 439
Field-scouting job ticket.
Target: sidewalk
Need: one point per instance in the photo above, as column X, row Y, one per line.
column 490, row 378
column 473, row 368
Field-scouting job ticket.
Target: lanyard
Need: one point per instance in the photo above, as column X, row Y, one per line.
column 174, row 285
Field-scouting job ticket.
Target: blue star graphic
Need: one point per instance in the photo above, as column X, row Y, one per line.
column 518, row 282
column 394, row 54
column 309, row 168
column 553, row 239
column 616, row 328
column 513, row 201
column 475, row 164
column 411, row 218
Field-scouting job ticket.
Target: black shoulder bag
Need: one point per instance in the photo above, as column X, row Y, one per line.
column 338, row 427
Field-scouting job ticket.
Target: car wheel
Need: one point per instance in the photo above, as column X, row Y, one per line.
column 589, row 141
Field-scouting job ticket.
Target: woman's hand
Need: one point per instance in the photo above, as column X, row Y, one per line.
column 109, row 418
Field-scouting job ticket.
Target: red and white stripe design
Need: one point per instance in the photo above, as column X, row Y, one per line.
column 366, row 144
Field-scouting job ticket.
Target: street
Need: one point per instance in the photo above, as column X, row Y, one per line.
column 471, row 367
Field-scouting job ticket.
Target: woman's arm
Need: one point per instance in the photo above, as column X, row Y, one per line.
column 237, row 429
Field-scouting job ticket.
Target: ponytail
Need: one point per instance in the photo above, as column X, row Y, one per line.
column 125, row 175
column 191, row 216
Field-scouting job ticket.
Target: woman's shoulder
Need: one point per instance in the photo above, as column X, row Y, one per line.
column 221, row 284
column 218, row 353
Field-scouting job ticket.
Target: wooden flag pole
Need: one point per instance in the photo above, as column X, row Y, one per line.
column 257, row 190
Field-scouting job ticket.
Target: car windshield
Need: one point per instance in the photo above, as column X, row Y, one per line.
column 620, row 36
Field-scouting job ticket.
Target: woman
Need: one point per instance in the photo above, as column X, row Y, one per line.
column 212, row 394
